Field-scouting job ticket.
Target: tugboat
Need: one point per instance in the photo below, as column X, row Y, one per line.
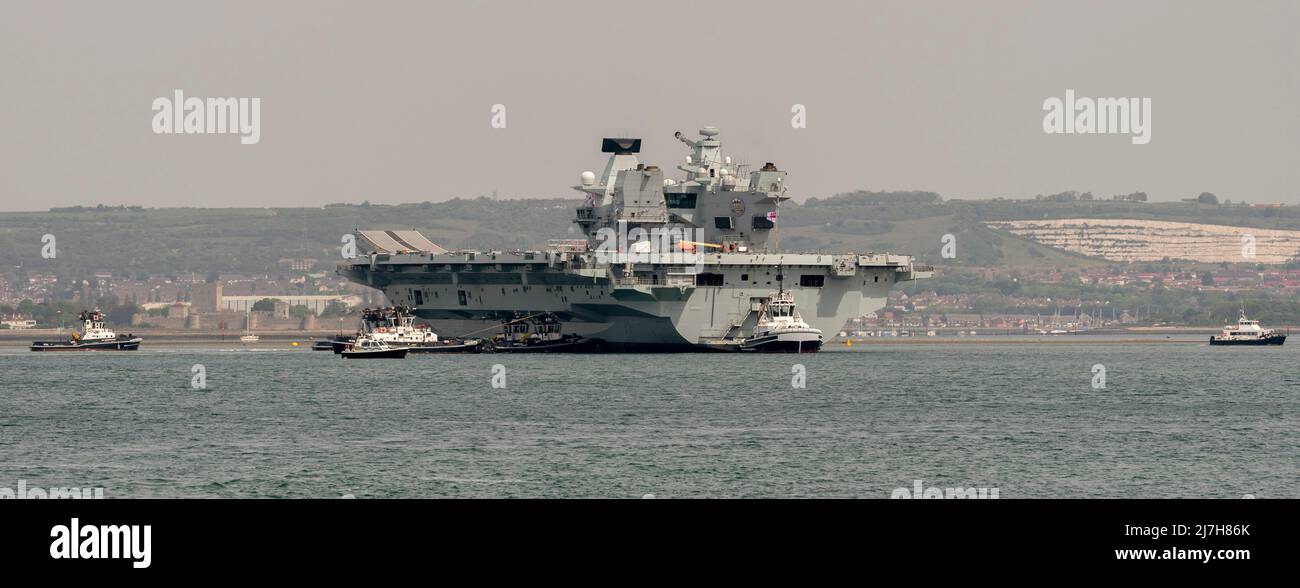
column 94, row 336
column 1247, row 332
column 396, row 327
column 367, row 348
column 780, row 328
column 538, row 333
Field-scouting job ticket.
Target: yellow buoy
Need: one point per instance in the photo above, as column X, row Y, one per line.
column 295, row 343
column 848, row 342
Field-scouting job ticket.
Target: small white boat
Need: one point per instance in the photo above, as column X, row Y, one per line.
column 248, row 336
column 367, row 348
column 1247, row 332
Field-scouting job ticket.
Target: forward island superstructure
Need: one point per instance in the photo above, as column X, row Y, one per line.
column 667, row 264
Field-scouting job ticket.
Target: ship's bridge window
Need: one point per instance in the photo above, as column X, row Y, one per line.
column 761, row 222
column 812, row 281
column 680, row 199
column 723, row 222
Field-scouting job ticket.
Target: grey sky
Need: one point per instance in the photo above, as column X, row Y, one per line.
column 391, row 101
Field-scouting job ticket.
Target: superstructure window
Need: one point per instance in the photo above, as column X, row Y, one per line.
column 812, row 281
column 761, row 222
column 723, row 222
column 680, row 199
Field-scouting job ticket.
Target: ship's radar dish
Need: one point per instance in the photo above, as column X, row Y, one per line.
column 709, row 131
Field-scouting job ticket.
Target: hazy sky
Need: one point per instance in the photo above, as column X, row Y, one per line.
column 390, row 102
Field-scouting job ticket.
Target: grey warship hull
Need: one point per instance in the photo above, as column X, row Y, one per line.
column 471, row 294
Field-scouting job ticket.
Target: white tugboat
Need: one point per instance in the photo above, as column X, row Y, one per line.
column 780, row 328
column 94, row 336
column 1247, row 332
column 396, row 327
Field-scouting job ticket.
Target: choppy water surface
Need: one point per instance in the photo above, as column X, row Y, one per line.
column 1174, row 420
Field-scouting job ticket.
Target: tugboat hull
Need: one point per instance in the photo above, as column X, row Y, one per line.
column 392, row 353
column 114, row 345
column 572, row 345
column 1271, row 340
column 789, row 342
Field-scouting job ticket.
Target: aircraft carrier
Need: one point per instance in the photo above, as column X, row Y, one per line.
column 667, row 264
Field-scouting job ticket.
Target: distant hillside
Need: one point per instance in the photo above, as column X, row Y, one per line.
column 136, row 241
column 1148, row 240
column 915, row 223
column 252, row 240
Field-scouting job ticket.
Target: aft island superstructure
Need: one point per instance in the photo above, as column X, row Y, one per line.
column 667, row 264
